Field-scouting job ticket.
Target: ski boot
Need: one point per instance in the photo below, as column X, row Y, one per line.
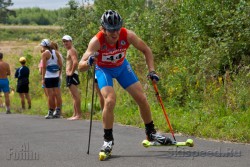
column 57, row 113
column 49, row 115
column 106, row 150
column 8, row 111
column 159, row 139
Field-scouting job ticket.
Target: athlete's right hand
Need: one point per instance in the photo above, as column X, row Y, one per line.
column 92, row 59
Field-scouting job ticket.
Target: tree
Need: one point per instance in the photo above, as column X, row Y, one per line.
column 4, row 12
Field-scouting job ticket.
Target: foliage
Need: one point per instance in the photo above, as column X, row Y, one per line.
column 4, row 11
column 28, row 33
column 35, row 16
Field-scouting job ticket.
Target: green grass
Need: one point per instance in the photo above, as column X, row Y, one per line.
column 39, row 105
column 26, row 33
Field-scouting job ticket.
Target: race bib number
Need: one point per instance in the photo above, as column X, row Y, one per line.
column 113, row 58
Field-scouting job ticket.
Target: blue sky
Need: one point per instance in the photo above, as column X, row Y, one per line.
column 46, row 4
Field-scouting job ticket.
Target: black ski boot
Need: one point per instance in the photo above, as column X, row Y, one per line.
column 8, row 112
column 49, row 115
column 57, row 113
column 155, row 137
column 163, row 140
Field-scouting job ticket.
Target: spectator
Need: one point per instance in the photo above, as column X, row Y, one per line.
column 72, row 78
column 22, row 75
column 51, row 70
column 4, row 82
column 55, row 46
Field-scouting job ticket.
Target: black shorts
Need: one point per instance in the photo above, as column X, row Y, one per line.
column 22, row 88
column 74, row 79
column 51, row 82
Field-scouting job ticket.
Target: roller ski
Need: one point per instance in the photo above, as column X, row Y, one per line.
column 106, row 150
column 159, row 140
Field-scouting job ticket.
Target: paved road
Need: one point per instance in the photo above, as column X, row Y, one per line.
column 62, row 143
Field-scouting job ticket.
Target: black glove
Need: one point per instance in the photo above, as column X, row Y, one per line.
column 91, row 60
column 153, row 76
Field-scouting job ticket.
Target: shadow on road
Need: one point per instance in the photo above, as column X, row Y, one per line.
column 156, row 154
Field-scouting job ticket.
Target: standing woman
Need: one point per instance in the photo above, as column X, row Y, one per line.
column 22, row 75
column 51, row 65
column 54, row 45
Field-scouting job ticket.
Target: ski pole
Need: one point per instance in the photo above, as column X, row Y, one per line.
column 86, row 93
column 163, row 108
column 92, row 108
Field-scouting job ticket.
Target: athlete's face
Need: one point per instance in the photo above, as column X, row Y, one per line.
column 67, row 44
column 113, row 36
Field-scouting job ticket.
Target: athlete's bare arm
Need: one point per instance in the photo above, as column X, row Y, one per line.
column 59, row 61
column 143, row 47
column 93, row 47
column 8, row 69
column 45, row 56
column 74, row 61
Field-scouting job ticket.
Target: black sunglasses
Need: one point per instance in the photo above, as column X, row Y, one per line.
column 113, row 30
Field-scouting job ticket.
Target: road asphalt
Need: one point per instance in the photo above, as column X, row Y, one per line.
column 32, row 141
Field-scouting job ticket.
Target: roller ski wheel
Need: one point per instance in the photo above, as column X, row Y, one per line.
column 103, row 156
column 190, row 143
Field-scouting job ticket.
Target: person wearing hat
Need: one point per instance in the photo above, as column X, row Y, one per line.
column 22, row 75
column 51, row 71
column 72, row 79
column 107, row 51
column 4, row 82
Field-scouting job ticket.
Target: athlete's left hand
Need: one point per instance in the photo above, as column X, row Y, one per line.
column 153, row 76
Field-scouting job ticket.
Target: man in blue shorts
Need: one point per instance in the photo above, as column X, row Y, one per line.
column 4, row 82
column 111, row 44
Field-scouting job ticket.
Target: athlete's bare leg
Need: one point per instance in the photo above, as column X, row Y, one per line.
column 22, row 100
column 1, row 102
column 7, row 100
column 101, row 99
column 109, row 96
column 76, row 102
column 137, row 93
column 51, row 100
column 57, row 97
column 27, row 96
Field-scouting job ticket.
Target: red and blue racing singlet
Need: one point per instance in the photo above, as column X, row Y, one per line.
column 112, row 56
